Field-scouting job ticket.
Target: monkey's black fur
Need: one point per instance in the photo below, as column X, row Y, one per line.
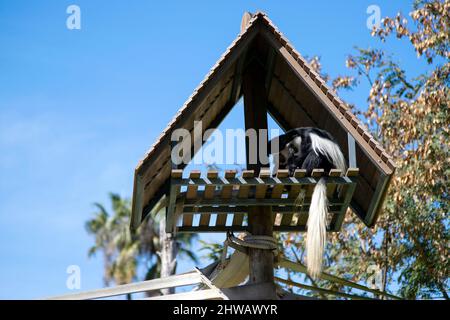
column 304, row 157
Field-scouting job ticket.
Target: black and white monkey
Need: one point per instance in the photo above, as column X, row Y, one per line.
column 310, row 148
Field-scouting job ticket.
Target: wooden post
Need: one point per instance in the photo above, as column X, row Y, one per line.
column 260, row 220
column 169, row 247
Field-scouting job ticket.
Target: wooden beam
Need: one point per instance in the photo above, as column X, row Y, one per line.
column 260, row 218
column 255, row 110
column 235, row 201
column 348, row 191
column 240, row 210
column 209, row 229
column 271, row 58
column 185, row 279
column 278, row 118
column 237, row 80
column 170, row 211
column 139, row 215
column 377, row 200
column 253, row 181
column 208, row 194
column 242, row 194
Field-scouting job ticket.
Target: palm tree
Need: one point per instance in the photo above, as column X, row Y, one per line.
column 113, row 239
column 124, row 252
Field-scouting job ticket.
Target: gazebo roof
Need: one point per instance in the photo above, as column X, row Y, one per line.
column 298, row 97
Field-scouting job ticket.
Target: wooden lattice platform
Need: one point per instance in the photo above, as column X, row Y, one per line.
column 215, row 203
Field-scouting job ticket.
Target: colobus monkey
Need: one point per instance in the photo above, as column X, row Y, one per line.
column 310, row 148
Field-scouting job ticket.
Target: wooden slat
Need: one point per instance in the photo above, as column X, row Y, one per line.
column 234, row 201
column 171, row 216
column 316, row 174
column 191, row 193
column 377, row 201
column 242, row 194
column 156, row 284
column 260, row 190
column 179, row 213
column 209, row 194
column 177, row 173
column 331, row 187
column 192, row 189
column 346, row 192
column 257, row 181
column 277, row 191
column 293, row 194
column 225, row 194
column 211, row 229
column 244, row 189
column 240, row 209
column 227, row 189
column 352, row 172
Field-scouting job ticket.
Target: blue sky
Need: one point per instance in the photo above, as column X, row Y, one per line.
column 79, row 108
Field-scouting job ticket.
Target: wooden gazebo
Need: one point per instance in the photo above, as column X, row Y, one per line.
column 296, row 97
column 262, row 67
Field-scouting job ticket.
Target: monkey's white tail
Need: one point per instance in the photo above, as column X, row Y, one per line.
column 329, row 149
column 316, row 229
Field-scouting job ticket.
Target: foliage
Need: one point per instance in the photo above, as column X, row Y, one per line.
column 410, row 117
column 213, row 251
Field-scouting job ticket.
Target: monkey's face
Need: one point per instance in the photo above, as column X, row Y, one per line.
column 290, row 156
column 283, row 158
column 294, row 155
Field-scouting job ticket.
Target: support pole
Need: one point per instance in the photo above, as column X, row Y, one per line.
column 260, row 220
column 169, row 246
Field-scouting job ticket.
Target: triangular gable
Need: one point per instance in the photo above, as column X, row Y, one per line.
column 298, row 97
